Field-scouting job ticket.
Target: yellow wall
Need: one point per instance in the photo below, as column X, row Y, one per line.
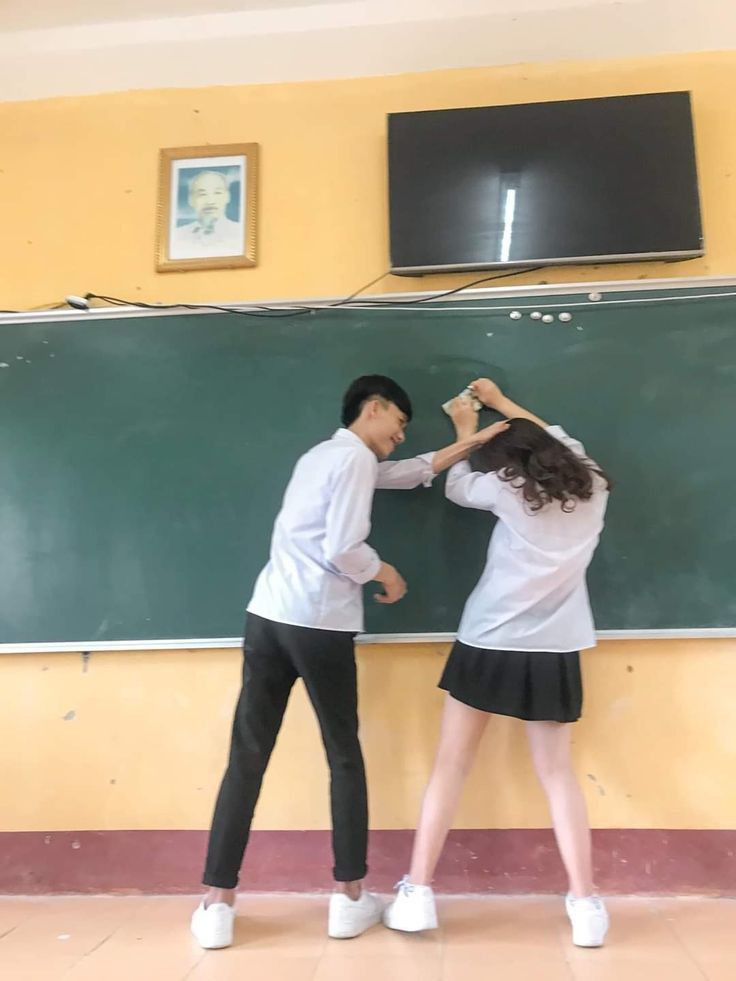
column 147, row 743
column 79, row 182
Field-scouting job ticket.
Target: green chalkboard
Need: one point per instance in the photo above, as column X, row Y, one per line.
column 143, row 459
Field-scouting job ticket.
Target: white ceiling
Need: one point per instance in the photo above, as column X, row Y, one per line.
column 76, row 47
column 39, row 14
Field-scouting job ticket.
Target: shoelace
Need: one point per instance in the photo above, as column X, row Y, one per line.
column 404, row 886
column 594, row 903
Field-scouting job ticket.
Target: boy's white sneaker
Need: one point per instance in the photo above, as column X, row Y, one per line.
column 589, row 920
column 413, row 909
column 351, row 917
column 213, row 926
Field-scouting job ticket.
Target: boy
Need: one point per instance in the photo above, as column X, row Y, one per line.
column 305, row 611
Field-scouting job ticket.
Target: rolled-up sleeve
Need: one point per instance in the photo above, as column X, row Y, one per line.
column 348, row 522
column 406, row 474
column 470, row 489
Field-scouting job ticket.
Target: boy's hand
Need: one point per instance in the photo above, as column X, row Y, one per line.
column 392, row 582
column 464, row 417
column 488, row 433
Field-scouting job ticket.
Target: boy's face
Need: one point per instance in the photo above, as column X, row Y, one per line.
column 386, row 427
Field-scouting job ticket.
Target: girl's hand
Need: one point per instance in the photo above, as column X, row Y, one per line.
column 487, row 391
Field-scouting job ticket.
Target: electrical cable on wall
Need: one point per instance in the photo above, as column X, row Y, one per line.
column 81, row 302
column 353, row 301
column 261, row 310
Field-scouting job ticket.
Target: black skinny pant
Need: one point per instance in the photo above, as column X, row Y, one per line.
column 275, row 655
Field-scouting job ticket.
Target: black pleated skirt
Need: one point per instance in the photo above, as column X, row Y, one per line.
column 537, row 686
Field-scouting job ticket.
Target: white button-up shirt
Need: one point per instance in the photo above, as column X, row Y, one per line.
column 319, row 555
column 532, row 594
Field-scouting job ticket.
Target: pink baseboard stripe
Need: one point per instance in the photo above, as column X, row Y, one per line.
column 474, row 861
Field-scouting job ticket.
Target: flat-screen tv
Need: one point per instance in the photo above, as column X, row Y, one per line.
column 547, row 183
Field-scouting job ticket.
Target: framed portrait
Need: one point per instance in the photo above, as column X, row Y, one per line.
column 207, row 201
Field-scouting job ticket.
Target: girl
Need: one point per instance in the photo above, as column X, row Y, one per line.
column 517, row 648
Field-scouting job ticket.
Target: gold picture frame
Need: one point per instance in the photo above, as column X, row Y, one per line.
column 206, row 216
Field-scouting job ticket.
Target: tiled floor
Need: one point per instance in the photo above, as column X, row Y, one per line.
column 282, row 938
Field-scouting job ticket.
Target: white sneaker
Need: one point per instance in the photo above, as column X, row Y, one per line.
column 213, row 926
column 589, row 920
column 351, row 917
column 413, row 909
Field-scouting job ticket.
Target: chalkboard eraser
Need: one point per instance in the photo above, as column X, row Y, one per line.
column 467, row 393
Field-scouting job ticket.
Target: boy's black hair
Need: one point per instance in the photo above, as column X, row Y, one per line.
column 373, row 386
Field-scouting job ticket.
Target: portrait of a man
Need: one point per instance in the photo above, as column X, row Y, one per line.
column 209, row 203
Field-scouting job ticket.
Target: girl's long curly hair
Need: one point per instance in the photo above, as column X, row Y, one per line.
column 543, row 468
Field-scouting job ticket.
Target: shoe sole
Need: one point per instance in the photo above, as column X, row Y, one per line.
column 421, row 929
column 591, row 945
column 218, row 944
column 410, row 929
column 579, row 943
column 335, row 935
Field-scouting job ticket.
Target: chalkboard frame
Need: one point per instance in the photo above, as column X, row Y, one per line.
column 591, row 292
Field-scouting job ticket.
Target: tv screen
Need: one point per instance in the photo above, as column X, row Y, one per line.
column 589, row 180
